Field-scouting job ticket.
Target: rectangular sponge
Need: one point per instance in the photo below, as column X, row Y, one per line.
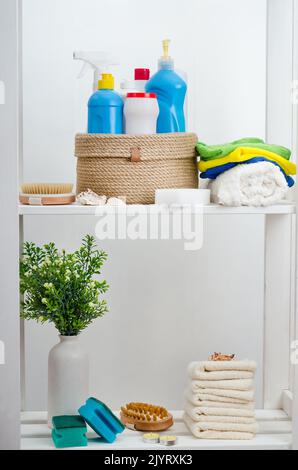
column 69, row 431
column 101, row 419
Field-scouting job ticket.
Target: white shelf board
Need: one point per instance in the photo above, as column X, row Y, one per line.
column 274, row 434
column 213, row 209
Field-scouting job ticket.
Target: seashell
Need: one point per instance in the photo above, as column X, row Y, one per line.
column 222, row 357
column 114, row 201
column 89, row 198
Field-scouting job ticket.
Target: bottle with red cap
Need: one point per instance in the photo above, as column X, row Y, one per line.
column 141, row 112
column 142, row 76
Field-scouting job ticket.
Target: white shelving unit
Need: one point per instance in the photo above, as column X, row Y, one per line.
column 275, row 426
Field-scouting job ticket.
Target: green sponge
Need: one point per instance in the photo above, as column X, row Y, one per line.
column 69, row 431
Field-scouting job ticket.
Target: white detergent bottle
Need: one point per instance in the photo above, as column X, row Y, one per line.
column 137, row 85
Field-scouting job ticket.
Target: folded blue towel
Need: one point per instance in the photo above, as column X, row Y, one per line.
column 213, row 173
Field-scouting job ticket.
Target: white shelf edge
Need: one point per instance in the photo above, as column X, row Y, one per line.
column 275, row 434
column 213, row 209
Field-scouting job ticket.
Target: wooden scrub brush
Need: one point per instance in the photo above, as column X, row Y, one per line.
column 144, row 417
column 47, row 194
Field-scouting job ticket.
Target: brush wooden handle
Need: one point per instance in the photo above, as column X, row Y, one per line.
column 47, row 200
column 146, row 426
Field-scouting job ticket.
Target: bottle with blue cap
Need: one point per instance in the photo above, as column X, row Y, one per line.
column 105, row 108
column 171, row 90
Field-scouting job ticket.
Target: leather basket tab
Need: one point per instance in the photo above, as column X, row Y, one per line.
column 135, row 155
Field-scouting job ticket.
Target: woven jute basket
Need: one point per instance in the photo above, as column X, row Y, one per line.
column 134, row 167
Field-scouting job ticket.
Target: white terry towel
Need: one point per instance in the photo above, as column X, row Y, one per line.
column 195, row 374
column 198, row 398
column 211, row 434
column 215, row 366
column 242, row 384
column 257, row 184
column 205, row 394
column 198, row 427
column 221, row 405
column 198, row 412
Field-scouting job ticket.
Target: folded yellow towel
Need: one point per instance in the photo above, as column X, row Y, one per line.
column 211, row 366
column 244, row 396
column 198, row 413
column 195, row 372
column 243, row 154
column 198, row 427
column 243, row 384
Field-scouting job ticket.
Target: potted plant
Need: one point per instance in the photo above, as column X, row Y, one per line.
column 60, row 288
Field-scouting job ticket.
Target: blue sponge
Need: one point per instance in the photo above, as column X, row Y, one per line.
column 101, row 419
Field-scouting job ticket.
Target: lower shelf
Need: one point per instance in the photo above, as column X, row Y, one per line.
column 275, row 434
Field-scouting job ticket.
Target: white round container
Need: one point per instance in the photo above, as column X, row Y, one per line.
column 68, row 386
column 183, row 196
column 141, row 112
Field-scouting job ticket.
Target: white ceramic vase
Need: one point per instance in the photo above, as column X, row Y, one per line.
column 68, row 385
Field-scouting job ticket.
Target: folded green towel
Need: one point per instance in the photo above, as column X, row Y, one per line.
column 213, row 152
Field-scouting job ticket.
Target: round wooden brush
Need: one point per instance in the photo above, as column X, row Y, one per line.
column 47, row 194
column 144, row 417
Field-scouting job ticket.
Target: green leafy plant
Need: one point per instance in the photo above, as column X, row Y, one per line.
column 60, row 288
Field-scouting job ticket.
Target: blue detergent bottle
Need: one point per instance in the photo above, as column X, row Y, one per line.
column 171, row 90
column 105, row 115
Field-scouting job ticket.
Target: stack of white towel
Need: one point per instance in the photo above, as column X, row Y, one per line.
column 220, row 400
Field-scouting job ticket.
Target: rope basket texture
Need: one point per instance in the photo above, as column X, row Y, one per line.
column 134, row 167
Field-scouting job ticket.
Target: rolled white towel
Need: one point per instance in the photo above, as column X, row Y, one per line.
column 198, row 427
column 215, row 366
column 198, row 413
column 243, row 384
column 244, row 395
column 257, row 184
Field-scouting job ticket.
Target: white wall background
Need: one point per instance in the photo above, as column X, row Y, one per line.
column 167, row 307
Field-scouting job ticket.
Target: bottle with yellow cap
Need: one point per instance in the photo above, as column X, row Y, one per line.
column 105, row 106
column 170, row 89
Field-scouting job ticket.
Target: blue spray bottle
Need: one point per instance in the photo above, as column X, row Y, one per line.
column 171, row 90
column 105, row 108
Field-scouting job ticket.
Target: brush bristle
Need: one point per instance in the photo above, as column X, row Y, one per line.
column 145, row 412
column 47, row 188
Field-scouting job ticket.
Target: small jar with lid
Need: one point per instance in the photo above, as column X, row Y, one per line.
column 141, row 112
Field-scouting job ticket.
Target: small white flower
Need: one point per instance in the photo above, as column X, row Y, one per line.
column 48, row 285
column 44, row 301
